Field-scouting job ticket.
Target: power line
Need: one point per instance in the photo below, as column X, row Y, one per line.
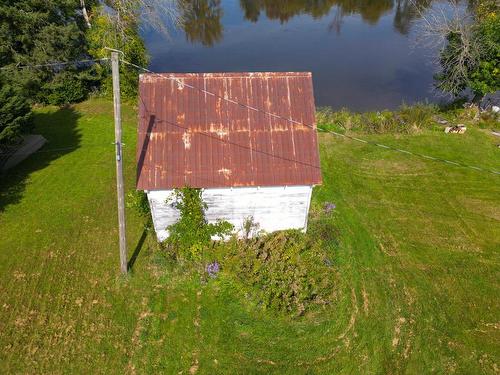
column 210, row 135
column 52, row 150
column 221, row 97
column 74, row 62
column 62, row 63
column 411, row 153
column 312, row 126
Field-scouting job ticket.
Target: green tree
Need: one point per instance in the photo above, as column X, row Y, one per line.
column 119, row 29
column 485, row 78
column 105, row 33
column 15, row 113
column 36, row 32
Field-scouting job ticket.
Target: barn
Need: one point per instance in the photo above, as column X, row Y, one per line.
column 248, row 140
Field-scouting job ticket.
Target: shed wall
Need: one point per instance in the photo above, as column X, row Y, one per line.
column 273, row 208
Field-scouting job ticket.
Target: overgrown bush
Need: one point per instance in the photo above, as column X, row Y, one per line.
column 407, row 119
column 342, row 119
column 138, row 200
column 417, row 116
column 192, row 233
column 381, row 122
column 286, row 271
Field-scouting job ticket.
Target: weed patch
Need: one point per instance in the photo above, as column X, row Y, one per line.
column 287, row 271
column 406, row 120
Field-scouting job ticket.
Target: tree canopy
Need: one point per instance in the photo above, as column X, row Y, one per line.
column 36, row 32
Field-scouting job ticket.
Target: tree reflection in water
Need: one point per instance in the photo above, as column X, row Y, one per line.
column 203, row 18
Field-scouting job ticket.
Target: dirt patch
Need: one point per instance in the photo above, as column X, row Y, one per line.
column 365, row 301
column 196, row 323
column 388, row 245
column 354, row 314
column 136, row 342
column 481, row 207
column 407, row 167
column 397, row 331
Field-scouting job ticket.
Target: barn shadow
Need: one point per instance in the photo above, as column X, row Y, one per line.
column 59, row 127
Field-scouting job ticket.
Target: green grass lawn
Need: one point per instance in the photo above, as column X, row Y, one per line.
column 416, row 268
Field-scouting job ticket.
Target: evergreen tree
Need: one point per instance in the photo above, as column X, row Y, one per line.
column 36, row 32
column 15, row 114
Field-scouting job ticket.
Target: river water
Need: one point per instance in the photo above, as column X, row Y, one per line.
column 362, row 53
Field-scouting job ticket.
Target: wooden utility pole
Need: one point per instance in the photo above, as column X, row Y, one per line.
column 115, row 69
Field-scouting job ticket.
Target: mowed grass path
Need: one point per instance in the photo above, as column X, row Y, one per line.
column 416, row 266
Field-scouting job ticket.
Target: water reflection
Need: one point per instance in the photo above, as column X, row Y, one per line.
column 202, row 21
column 284, row 10
column 406, row 12
column 370, row 11
column 203, row 18
column 359, row 51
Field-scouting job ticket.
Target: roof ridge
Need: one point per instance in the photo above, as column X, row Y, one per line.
column 228, row 74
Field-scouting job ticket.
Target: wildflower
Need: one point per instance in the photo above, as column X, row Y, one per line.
column 329, row 207
column 212, row 269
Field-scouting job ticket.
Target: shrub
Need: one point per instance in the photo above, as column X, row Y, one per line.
column 326, row 117
column 66, row 87
column 250, row 228
column 191, row 234
column 489, row 119
column 407, row 119
column 138, row 200
column 378, row 122
column 416, row 116
column 285, row 271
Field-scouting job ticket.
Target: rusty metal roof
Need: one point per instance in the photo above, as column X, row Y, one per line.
column 189, row 137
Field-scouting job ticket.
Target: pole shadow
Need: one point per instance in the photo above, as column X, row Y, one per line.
column 137, row 249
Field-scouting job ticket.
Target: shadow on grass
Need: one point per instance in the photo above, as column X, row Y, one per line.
column 147, row 228
column 59, row 127
column 137, row 249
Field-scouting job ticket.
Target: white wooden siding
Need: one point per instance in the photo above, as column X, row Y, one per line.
column 273, row 208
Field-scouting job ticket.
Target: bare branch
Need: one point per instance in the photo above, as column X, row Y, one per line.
column 85, row 14
column 450, row 32
column 157, row 14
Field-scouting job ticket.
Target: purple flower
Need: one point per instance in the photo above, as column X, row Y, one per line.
column 329, row 207
column 212, row 269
